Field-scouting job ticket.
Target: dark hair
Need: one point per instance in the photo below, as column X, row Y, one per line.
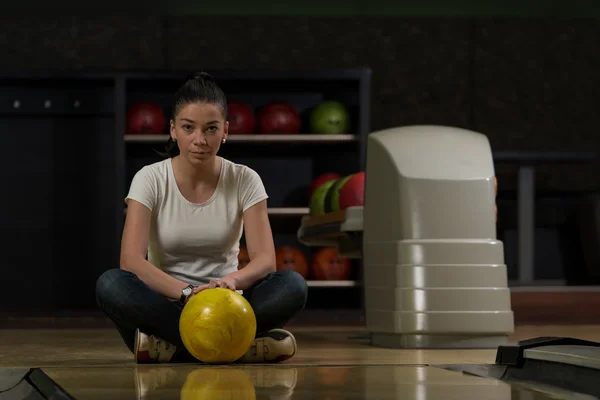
column 197, row 88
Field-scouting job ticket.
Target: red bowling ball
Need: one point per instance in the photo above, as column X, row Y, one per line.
column 278, row 118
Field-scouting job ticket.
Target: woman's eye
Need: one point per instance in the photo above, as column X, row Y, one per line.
column 213, row 129
column 187, row 127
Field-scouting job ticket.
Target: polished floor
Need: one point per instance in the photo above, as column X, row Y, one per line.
column 331, row 364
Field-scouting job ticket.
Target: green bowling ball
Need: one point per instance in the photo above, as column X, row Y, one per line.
column 330, row 118
column 317, row 200
column 332, row 199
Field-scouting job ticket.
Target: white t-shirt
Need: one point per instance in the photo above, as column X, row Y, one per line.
column 196, row 242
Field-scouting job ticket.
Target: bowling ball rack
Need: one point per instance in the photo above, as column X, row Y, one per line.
column 341, row 229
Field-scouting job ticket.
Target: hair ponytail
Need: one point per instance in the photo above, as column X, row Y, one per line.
column 171, row 149
column 200, row 77
column 199, row 87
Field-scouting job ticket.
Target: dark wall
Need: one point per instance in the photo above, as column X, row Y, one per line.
column 529, row 84
column 561, row 8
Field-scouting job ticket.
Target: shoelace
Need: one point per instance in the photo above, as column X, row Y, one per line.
column 259, row 348
column 163, row 352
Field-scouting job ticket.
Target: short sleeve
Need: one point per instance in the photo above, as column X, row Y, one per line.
column 143, row 188
column 251, row 189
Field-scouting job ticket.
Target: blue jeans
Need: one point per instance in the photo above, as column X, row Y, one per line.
column 131, row 304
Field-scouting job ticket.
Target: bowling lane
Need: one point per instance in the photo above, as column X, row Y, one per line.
column 55, row 348
column 283, row 382
column 316, row 346
column 331, row 364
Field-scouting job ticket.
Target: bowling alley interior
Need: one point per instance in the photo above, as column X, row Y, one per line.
column 317, row 200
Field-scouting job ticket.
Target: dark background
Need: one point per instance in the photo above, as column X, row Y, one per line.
column 528, row 83
column 524, row 75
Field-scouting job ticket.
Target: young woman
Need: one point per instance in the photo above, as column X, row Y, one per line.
column 187, row 212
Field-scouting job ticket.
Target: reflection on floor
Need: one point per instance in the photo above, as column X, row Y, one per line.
column 262, row 382
column 331, row 364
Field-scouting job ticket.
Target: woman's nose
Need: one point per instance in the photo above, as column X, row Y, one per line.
column 200, row 138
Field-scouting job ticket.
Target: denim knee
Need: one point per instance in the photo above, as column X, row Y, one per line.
column 109, row 284
column 295, row 287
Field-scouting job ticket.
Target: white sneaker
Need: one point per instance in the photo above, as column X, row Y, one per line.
column 148, row 379
column 151, row 349
column 271, row 377
column 273, row 383
column 276, row 346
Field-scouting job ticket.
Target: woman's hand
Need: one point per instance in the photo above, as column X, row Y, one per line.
column 227, row 282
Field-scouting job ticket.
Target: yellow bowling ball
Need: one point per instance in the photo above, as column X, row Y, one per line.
column 217, row 326
column 218, row 383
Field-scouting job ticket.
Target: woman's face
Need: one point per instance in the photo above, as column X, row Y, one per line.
column 199, row 129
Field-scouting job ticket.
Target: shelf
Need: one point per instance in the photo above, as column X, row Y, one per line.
column 257, row 138
column 306, row 137
column 331, row 283
column 282, row 211
column 101, row 98
column 299, row 211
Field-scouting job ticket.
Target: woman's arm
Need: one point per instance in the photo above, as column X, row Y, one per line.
column 261, row 249
column 133, row 253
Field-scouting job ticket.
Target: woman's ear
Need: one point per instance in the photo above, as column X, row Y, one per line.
column 225, row 131
column 172, row 130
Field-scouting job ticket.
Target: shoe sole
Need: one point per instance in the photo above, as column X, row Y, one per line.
column 136, row 344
